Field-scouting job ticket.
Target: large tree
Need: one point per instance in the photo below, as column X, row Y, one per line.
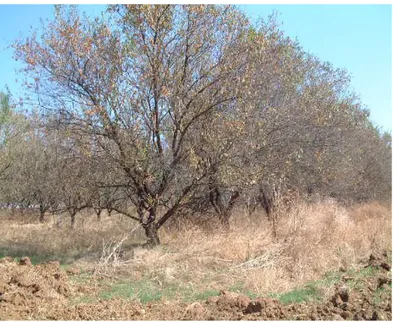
column 136, row 86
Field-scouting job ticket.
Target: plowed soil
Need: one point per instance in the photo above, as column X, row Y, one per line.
column 44, row 292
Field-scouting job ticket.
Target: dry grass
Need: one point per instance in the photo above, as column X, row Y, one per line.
column 54, row 240
column 311, row 240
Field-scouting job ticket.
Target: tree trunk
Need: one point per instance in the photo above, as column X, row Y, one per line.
column 223, row 210
column 152, row 234
column 266, row 203
column 73, row 214
column 109, row 210
column 98, row 212
column 42, row 214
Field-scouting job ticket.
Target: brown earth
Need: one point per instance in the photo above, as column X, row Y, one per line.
column 44, row 292
column 26, row 289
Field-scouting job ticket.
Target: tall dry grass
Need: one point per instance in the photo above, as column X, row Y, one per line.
column 311, row 239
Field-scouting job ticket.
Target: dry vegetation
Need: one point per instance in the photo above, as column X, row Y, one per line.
column 199, row 271
column 311, row 240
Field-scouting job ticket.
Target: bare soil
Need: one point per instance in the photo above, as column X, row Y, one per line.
column 45, row 292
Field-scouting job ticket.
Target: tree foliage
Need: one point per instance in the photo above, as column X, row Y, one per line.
column 187, row 108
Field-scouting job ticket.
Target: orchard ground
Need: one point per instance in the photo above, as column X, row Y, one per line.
column 325, row 262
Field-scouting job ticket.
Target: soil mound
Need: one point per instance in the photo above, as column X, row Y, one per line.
column 26, row 290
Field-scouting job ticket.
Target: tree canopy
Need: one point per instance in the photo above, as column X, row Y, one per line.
column 155, row 111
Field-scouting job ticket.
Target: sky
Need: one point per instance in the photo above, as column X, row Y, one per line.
column 355, row 37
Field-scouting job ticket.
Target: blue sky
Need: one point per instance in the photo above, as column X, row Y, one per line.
column 355, row 37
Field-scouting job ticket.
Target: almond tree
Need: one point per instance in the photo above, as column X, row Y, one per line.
column 136, row 86
column 297, row 126
column 14, row 130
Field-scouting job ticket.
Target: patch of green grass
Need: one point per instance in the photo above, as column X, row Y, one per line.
column 367, row 271
column 310, row 292
column 330, row 278
column 313, row 291
column 187, row 293
column 144, row 290
column 118, row 290
column 64, row 266
column 35, row 259
column 149, row 291
column 306, row 294
column 237, row 288
column 252, row 295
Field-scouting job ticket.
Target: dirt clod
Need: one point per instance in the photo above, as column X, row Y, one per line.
column 336, row 317
column 6, row 259
column 385, row 266
column 253, row 307
column 25, row 261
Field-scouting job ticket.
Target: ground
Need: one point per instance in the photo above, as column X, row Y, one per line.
column 50, row 292
column 326, row 263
